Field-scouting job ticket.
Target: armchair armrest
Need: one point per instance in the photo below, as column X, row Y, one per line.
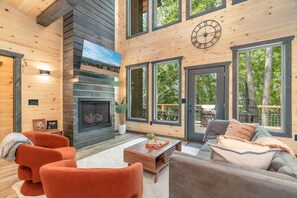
column 34, row 157
column 191, row 176
column 48, row 140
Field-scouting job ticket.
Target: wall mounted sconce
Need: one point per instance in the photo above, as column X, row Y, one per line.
column 45, row 72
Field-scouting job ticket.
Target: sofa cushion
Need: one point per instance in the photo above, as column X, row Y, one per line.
column 260, row 132
column 241, row 130
column 215, row 128
column 284, row 163
column 205, row 147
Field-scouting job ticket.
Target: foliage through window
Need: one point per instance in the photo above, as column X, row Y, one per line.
column 166, row 12
column 167, row 91
column 260, row 86
column 199, row 7
column 137, row 92
column 137, row 17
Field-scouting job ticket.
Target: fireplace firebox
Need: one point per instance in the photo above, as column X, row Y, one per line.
column 94, row 114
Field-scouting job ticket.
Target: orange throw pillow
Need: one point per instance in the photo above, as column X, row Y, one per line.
column 241, row 130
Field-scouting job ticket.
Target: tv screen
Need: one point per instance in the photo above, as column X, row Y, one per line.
column 96, row 58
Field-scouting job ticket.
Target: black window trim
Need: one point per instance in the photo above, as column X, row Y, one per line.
column 188, row 12
column 154, row 63
column 128, row 21
column 128, row 91
column 154, row 18
column 234, row 2
column 286, row 79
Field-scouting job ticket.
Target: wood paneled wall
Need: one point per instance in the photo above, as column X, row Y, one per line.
column 42, row 50
column 247, row 22
column 6, row 96
column 92, row 20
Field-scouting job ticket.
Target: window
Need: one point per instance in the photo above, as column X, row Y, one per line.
column 137, row 17
column 137, row 86
column 199, row 7
column 263, row 85
column 166, row 91
column 165, row 13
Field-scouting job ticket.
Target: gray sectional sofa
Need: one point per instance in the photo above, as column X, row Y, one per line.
column 200, row 176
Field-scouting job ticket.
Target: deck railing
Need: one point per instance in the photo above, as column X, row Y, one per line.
column 273, row 118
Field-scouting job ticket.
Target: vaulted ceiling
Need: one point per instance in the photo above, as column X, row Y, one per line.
column 32, row 7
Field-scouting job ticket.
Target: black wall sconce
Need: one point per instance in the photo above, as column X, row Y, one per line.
column 45, row 72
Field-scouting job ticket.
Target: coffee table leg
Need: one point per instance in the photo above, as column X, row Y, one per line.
column 156, row 176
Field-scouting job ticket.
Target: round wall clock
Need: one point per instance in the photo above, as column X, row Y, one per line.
column 206, row 34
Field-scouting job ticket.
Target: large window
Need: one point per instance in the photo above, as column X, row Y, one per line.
column 263, row 85
column 137, row 19
column 166, row 91
column 137, row 86
column 199, row 7
column 166, row 12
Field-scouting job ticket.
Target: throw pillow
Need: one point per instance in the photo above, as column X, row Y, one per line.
column 215, row 128
column 274, row 143
column 242, row 152
column 241, row 130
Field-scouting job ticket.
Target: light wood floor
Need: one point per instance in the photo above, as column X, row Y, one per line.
column 8, row 170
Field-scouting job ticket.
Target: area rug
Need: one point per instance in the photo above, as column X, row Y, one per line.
column 113, row 158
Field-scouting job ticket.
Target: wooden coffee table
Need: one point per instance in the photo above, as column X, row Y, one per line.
column 153, row 160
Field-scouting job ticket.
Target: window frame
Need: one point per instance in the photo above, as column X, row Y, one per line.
column 128, row 22
column 234, row 2
column 154, row 64
column 154, row 18
column 286, row 96
column 188, row 12
column 128, row 91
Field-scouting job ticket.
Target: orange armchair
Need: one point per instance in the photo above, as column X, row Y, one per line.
column 64, row 180
column 47, row 148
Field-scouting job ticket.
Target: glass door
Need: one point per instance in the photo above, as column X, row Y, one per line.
column 206, row 99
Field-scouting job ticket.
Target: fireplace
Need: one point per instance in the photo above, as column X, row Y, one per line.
column 94, row 114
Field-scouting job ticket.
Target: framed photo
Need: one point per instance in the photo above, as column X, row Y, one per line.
column 52, row 124
column 39, row 125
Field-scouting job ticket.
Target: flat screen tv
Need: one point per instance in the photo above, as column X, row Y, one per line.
column 98, row 59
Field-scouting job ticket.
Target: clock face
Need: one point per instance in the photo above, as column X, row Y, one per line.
column 206, row 34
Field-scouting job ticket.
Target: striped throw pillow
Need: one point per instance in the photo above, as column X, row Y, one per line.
column 241, row 130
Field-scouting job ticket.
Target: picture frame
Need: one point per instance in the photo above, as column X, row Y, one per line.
column 52, row 124
column 39, row 125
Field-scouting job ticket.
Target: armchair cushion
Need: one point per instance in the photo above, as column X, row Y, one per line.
column 67, row 152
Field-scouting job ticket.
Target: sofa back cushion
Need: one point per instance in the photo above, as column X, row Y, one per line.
column 215, row 128
column 260, row 132
column 241, row 130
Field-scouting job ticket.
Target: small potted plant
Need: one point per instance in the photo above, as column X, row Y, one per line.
column 151, row 138
column 120, row 109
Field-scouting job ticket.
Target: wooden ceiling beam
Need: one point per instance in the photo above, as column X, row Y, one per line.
column 56, row 10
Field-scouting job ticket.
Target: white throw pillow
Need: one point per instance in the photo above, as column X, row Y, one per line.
column 242, row 152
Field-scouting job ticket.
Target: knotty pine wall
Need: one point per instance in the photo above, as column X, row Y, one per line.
column 41, row 47
column 244, row 23
column 6, row 96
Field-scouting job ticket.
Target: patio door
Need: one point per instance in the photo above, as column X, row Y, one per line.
column 207, row 99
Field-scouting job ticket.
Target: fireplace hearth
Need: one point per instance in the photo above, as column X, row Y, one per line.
column 94, row 114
